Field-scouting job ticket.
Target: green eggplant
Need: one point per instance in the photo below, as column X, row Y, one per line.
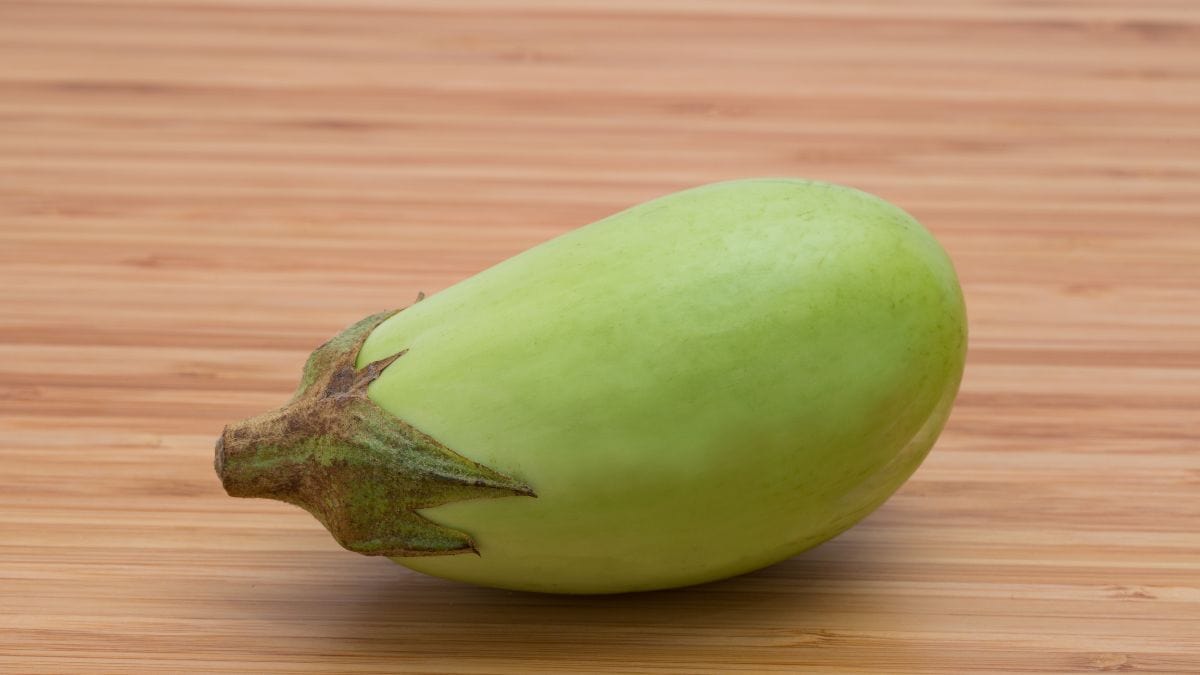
column 690, row 389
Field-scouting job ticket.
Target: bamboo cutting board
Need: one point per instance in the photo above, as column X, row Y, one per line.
column 195, row 193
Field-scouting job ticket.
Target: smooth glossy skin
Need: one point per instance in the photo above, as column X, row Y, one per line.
column 696, row 387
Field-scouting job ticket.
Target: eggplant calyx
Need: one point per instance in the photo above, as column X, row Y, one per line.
column 361, row 471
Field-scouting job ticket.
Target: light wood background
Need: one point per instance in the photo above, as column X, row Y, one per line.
column 195, row 193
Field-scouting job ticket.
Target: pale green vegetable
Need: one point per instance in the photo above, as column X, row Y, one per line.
column 696, row 387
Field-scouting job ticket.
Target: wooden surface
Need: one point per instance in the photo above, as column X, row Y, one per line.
column 195, row 193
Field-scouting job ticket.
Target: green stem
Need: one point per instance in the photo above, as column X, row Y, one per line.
column 361, row 471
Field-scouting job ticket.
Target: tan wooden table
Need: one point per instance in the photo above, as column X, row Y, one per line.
column 195, row 193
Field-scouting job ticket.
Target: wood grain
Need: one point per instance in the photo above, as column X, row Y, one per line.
column 194, row 193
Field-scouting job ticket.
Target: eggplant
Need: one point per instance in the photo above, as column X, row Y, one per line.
column 690, row 389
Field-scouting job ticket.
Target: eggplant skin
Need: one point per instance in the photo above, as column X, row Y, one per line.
column 696, row 387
